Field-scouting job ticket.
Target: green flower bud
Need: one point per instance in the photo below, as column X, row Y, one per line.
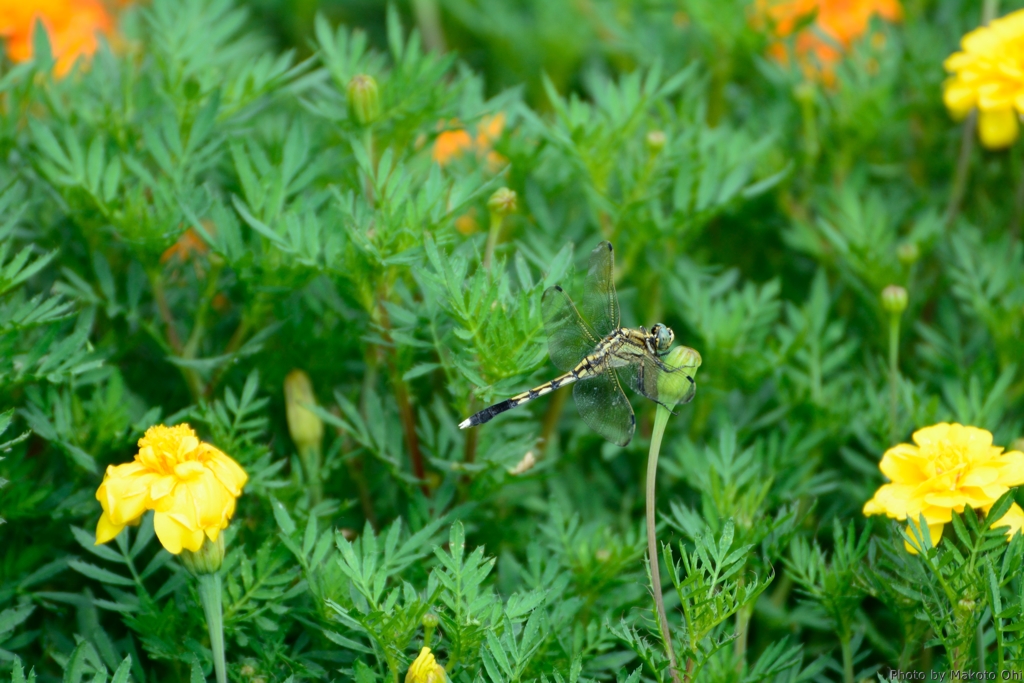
column 674, row 387
column 908, row 253
column 656, row 141
column 502, row 202
column 207, row 559
column 363, row 99
column 306, row 428
column 894, row 299
column 430, row 620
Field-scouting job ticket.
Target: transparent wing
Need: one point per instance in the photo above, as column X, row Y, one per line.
column 569, row 336
column 643, row 378
column 600, row 305
column 605, row 408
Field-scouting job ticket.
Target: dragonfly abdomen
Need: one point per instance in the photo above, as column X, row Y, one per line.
column 488, row 413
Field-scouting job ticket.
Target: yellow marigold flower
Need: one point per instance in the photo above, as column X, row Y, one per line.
column 190, row 484
column 72, row 26
column 950, row 467
column 837, row 25
column 425, row 669
column 454, row 143
column 987, row 75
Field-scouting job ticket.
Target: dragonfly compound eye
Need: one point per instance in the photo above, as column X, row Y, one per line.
column 664, row 335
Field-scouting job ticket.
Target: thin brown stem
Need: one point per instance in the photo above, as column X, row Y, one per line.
column 405, row 411
column 551, row 417
column 195, row 385
column 160, row 295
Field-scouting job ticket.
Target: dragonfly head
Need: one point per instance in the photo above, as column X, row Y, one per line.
column 663, row 337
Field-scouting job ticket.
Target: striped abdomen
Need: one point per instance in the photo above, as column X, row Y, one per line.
column 582, row 371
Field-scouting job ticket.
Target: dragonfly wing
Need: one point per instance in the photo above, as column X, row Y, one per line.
column 643, row 377
column 605, row 408
column 570, row 338
column 600, row 304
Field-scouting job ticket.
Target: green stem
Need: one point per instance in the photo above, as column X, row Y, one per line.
column 742, row 629
column 312, row 462
column 847, row 661
column 804, row 94
column 1018, row 201
column 894, row 373
column 492, row 238
column 660, row 422
column 428, row 19
column 210, row 596
column 979, row 642
column 963, row 166
column 989, row 9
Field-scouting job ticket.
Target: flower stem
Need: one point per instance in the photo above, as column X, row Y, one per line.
column 660, row 422
column 428, row 19
column 979, row 642
column 1018, row 200
column 210, row 596
column 963, row 165
column 989, row 9
column 847, row 661
column 492, row 238
column 894, row 373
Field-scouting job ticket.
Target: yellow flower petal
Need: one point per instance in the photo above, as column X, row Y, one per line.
column 934, row 533
column 1013, row 520
column 106, row 530
column 174, row 536
column 998, row 128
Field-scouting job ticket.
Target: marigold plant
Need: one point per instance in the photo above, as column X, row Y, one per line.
column 946, row 469
column 190, row 484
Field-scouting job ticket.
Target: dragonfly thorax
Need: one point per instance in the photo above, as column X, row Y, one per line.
column 662, row 337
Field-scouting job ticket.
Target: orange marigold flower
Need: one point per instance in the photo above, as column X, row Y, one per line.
column 73, row 27
column 454, row 143
column 836, row 25
column 188, row 245
column 190, row 484
column 948, row 467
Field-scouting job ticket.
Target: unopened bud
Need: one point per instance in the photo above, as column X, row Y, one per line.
column 894, row 299
column 363, row 98
column 430, row 620
column 306, row 428
column 908, row 253
column 804, row 92
column 656, row 141
column 207, row 559
column 502, row 202
column 678, row 385
column 425, row 669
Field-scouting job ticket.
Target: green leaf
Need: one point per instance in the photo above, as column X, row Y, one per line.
column 100, row 574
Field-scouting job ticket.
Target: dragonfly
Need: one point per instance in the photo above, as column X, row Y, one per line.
column 597, row 355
